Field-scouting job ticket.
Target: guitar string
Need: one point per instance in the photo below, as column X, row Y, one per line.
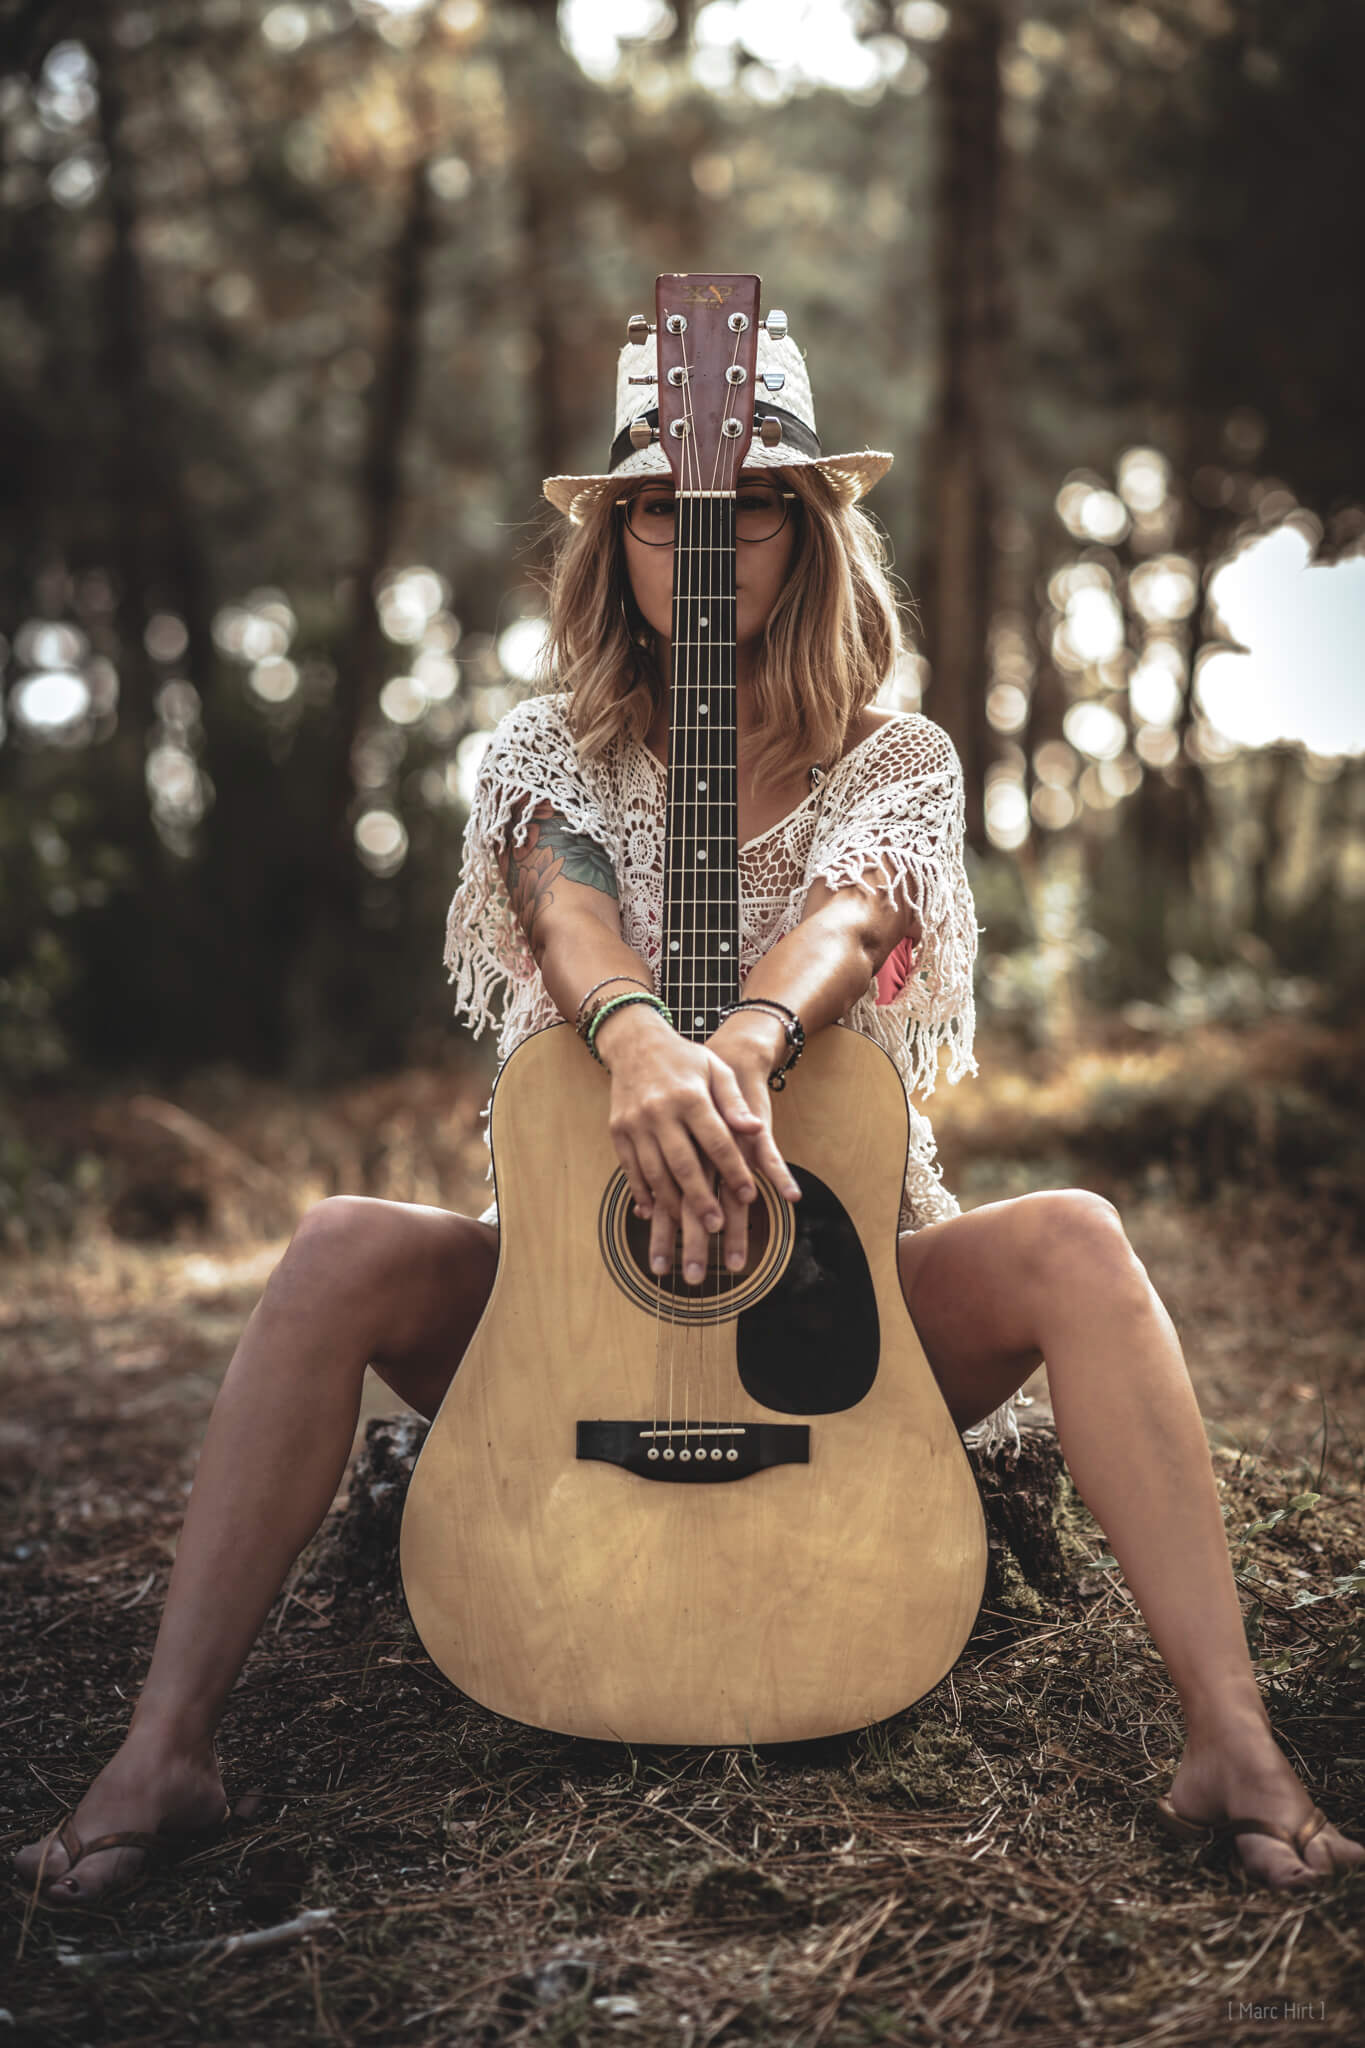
column 731, row 1280
column 683, row 675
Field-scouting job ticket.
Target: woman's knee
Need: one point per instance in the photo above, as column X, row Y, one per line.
column 346, row 1252
column 403, row 1276
column 1070, row 1236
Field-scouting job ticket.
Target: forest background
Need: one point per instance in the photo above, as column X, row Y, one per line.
column 299, row 301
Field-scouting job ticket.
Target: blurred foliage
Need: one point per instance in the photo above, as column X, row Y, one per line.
column 301, row 301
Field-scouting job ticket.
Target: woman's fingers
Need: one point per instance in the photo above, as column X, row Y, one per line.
column 736, row 1244
column 640, row 1192
column 769, row 1160
column 729, row 1099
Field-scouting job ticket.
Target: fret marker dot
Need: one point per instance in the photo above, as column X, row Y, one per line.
column 702, row 710
column 674, row 945
column 703, row 623
column 702, row 787
column 701, row 853
column 699, row 1018
column 725, row 945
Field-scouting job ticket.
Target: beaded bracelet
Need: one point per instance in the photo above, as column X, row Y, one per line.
column 621, row 1003
column 595, row 1004
column 597, row 986
column 792, row 1030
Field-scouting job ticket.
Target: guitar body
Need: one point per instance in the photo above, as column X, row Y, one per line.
column 566, row 1571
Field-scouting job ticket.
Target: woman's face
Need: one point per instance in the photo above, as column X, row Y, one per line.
column 761, row 566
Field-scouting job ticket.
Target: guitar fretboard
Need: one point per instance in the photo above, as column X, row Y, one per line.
column 701, row 880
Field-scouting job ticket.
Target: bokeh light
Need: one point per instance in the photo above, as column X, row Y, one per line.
column 166, row 637
column 273, row 680
column 1090, row 511
column 1007, row 707
column 1052, row 808
column 403, row 700
column 1144, row 479
column 1164, row 589
column 381, row 840
column 49, row 703
column 1007, row 813
column 1156, row 689
column 408, row 601
column 1095, row 729
column 521, row 649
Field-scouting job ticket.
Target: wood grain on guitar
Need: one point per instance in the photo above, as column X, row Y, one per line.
column 734, row 1513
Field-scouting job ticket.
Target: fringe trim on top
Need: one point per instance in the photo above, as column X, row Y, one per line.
column 486, row 951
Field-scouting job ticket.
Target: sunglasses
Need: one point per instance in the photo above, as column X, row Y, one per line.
column 761, row 512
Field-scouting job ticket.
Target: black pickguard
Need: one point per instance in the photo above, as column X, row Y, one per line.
column 811, row 1346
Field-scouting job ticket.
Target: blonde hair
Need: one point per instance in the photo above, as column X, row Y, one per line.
column 828, row 646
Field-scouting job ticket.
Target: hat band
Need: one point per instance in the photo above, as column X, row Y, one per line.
column 795, row 431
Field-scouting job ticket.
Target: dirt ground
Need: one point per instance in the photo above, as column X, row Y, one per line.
column 981, row 1868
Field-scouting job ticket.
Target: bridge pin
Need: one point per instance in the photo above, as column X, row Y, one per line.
column 733, row 1456
column 716, row 1453
column 684, row 1455
column 653, row 1451
column 669, row 1452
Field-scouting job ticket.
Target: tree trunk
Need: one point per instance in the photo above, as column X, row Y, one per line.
column 964, row 448
column 324, row 988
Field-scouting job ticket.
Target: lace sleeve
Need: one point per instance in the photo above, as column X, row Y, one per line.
column 895, row 805
column 531, row 758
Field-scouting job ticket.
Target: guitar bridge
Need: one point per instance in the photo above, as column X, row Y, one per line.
column 697, row 1453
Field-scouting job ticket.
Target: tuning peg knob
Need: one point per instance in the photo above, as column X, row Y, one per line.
column 641, row 433
column 638, row 329
column 775, row 326
column 773, row 380
column 770, row 432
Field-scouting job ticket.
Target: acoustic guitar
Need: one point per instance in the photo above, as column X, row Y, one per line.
column 739, row 1512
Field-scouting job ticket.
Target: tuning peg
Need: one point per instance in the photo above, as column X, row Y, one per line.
column 642, row 380
column 770, row 432
column 638, row 329
column 773, row 380
column 641, row 433
column 775, row 326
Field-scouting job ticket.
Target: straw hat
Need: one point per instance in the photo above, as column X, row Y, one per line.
column 636, row 375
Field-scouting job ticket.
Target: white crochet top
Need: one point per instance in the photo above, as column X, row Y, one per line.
column 894, row 801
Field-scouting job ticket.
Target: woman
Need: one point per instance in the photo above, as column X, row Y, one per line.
column 850, row 830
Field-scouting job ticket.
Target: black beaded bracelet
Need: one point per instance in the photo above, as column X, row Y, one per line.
column 792, row 1030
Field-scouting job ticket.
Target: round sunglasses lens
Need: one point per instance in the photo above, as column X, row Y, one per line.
column 652, row 517
column 760, row 512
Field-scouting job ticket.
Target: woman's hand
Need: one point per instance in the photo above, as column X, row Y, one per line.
column 683, row 1115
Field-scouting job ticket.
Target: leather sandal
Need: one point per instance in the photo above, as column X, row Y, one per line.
column 159, row 1852
column 1213, row 1836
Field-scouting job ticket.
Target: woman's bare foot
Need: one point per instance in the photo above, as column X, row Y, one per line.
column 1233, row 1769
column 147, row 1788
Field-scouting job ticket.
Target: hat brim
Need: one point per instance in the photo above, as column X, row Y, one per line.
column 855, row 473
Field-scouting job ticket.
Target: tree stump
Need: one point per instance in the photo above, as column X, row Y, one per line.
column 1033, row 1553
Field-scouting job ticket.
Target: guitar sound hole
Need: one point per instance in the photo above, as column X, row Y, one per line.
column 719, row 1280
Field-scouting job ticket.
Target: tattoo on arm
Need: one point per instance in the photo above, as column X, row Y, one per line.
column 553, row 853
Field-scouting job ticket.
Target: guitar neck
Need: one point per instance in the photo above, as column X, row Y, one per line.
column 700, row 971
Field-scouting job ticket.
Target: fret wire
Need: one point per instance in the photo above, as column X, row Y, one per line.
column 701, row 898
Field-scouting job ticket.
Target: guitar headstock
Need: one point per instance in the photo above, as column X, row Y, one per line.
column 708, row 349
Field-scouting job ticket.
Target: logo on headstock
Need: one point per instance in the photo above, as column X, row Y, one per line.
column 707, row 294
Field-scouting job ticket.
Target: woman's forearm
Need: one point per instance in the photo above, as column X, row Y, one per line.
column 829, row 961
column 578, row 951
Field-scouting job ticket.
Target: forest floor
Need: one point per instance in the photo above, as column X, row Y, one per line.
column 982, row 1867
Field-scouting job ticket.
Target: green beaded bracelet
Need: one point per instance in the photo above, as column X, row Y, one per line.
column 620, row 1003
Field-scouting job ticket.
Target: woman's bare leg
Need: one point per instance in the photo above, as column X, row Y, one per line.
column 363, row 1282
column 1053, row 1276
